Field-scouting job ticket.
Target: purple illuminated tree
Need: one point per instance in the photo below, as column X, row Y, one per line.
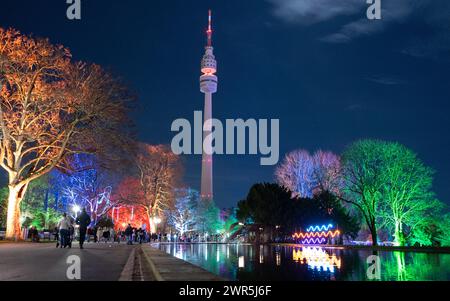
column 327, row 173
column 307, row 175
column 296, row 173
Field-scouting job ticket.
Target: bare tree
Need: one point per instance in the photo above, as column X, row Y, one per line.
column 51, row 108
column 159, row 171
column 183, row 215
column 307, row 175
column 296, row 173
column 327, row 173
column 90, row 187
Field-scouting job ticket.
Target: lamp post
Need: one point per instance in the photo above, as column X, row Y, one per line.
column 76, row 209
column 155, row 220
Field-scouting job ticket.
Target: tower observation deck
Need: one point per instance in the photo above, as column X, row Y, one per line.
column 208, row 86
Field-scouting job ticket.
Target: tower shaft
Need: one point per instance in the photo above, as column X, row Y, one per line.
column 208, row 86
column 207, row 159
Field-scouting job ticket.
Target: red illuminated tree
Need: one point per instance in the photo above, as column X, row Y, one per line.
column 159, row 171
column 128, row 194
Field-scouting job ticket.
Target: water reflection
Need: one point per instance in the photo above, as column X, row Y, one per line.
column 316, row 258
column 278, row 258
column 249, row 262
column 261, row 254
column 241, row 262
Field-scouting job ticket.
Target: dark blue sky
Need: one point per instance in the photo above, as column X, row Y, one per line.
column 328, row 74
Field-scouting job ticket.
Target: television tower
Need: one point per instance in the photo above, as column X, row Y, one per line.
column 208, row 86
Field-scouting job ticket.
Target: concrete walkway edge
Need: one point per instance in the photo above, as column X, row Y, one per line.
column 166, row 267
column 127, row 272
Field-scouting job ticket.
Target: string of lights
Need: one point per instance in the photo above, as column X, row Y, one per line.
column 316, row 234
column 316, row 241
column 320, row 228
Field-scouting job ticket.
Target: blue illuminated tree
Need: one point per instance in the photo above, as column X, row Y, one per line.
column 89, row 187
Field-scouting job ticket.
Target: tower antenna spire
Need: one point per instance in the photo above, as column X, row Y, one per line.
column 210, row 31
column 208, row 86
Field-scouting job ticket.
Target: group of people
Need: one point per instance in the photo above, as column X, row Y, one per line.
column 66, row 229
column 33, row 234
column 134, row 235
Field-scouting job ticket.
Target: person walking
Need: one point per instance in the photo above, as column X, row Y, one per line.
column 56, row 234
column 99, row 234
column 129, row 234
column 94, row 232
column 140, row 233
column 64, row 228
column 83, row 220
column 106, row 235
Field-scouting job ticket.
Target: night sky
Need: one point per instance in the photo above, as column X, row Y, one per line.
column 328, row 74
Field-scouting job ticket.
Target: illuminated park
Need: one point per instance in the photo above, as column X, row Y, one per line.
column 94, row 124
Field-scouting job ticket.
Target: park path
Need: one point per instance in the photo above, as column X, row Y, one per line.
column 44, row 262
column 99, row 262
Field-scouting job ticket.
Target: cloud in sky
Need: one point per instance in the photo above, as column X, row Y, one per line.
column 314, row 11
column 385, row 80
column 392, row 11
column 437, row 44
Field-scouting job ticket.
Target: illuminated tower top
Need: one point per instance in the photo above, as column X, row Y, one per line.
column 209, row 64
column 209, row 32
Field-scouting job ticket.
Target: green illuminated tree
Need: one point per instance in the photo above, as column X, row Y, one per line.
column 42, row 219
column 229, row 219
column 362, row 164
column 407, row 196
column 208, row 217
column 444, row 230
column 391, row 187
column 425, row 233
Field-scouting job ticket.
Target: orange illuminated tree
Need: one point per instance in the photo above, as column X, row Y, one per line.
column 159, row 172
column 51, row 108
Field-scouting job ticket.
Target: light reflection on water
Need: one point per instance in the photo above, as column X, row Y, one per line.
column 316, row 258
column 249, row 262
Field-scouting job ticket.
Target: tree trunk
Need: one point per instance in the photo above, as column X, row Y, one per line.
column 46, row 200
column 373, row 232
column 398, row 234
column 151, row 225
column 13, row 225
column 56, row 201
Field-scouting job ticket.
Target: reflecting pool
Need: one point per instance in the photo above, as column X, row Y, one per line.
column 281, row 263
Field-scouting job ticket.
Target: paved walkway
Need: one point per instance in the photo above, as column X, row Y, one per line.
column 98, row 262
column 44, row 262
